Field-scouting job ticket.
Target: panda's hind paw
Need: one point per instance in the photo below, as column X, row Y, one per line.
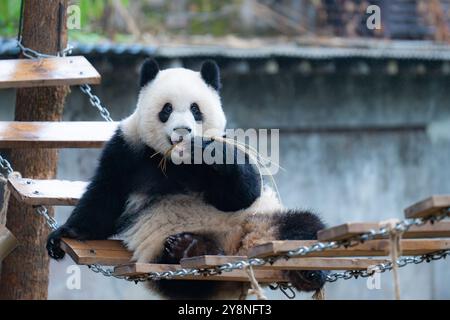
column 307, row 280
column 185, row 245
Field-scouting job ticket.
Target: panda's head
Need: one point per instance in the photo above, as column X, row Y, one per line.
column 177, row 104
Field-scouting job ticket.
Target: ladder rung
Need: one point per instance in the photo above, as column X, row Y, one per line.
column 19, row 73
column 370, row 248
column 7, row 242
column 348, row 230
column 103, row 252
column 46, row 192
column 207, row 261
column 87, row 134
column 427, row 207
column 138, row 269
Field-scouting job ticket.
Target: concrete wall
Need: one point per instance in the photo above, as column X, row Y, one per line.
column 354, row 148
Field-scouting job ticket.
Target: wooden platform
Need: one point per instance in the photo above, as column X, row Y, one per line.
column 370, row 248
column 89, row 134
column 345, row 231
column 429, row 206
column 208, row 261
column 47, row 192
column 104, row 252
column 140, row 269
column 74, row 70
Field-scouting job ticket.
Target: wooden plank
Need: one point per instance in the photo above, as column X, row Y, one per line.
column 429, row 206
column 348, row 230
column 139, row 269
column 47, row 192
column 7, row 242
column 21, row 73
column 88, row 134
column 323, row 264
column 207, row 261
column 369, row 248
column 104, row 252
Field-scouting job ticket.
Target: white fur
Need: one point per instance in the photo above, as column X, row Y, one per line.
column 180, row 87
column 189, row 213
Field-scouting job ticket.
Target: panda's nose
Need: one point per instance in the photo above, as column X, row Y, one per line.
column 179, row 133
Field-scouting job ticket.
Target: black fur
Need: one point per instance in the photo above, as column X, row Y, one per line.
column 149, row 70
column 211, row 74
column 302, row 225
column 124, row 169
column 184, row 245
column 165, row 113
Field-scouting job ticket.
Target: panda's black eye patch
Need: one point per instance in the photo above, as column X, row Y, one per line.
column 195, row 109
column 164, row 114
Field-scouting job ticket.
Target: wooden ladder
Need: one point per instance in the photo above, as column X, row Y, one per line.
column 21, row 73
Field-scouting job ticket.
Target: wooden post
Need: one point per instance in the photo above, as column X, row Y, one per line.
column 25, row 273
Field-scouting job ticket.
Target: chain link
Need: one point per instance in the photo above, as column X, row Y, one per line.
column 85, row 88
column 33, row 54
column 383, row 267
column 95, row 102
column 5, row 166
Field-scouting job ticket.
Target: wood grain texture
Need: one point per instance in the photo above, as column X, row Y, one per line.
column 67, row 71
column 104, row 252
column 76, row 134
column 429, row 206
column 344, row 231
column 369, row 248
column 24, row 274
column 207, row 261
column 7, row 242
column 47, row 192
column 139, row 269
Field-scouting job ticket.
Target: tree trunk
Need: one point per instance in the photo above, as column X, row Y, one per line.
column 25, row 273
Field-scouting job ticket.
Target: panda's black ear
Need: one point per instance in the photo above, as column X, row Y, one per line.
column 149, row 70
column 211, row 74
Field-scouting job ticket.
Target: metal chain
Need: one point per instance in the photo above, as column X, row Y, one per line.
column 5, row 166
column 95, row 102
column 382, row 267
column 85, row 88
column 33, row 54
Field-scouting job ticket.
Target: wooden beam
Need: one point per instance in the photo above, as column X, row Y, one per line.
column 140, row 269
column 346, row 230
column 209, row 261
column 73, row 134
column 46, row 192
column 7, row 242
column 61, row 71
column 104, row 252
column 349, row 230
column 369, row 248
column 24, row 274
column 427, row 207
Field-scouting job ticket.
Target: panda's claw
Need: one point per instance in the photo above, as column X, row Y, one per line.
column 185, row 245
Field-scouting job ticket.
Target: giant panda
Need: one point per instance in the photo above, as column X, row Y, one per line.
column 187, row 209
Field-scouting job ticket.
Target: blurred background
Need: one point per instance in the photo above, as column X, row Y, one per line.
column 363, row 112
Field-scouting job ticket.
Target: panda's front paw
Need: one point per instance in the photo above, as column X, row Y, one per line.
column 185, row 245
column 307, row 280
column 54, row 241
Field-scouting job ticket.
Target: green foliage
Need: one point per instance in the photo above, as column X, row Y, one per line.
column 9, row 18
column 152, row 20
